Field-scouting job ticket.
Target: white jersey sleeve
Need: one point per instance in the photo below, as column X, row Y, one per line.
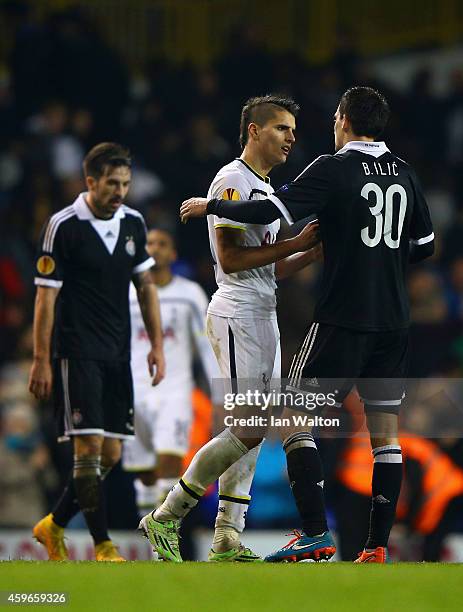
column 231, row 186
column 247, row 293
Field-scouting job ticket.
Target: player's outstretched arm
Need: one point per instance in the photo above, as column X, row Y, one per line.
column 40, row 378
column 260, row 212
column 290, row 265
column 149, row 305
column 234, row 256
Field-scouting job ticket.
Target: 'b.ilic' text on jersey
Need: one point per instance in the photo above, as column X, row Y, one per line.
column 370, row 207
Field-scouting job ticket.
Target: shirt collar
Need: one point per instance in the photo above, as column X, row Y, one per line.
column 84, row 213
column 266, row 179
column 370, row 148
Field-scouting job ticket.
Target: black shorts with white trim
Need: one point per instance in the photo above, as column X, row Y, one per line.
column 334, row 359
column 93, row 397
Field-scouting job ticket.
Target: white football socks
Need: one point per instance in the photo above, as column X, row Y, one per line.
column 207, row 465
column 234, row 498
column 164, row 486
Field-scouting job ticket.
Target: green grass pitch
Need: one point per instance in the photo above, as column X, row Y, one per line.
column 140, row 586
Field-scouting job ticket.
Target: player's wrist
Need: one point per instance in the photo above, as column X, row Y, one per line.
column 41, row 358
column 211, row 206
column 296, row 245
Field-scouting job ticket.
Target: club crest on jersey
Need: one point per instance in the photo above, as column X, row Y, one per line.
column 46, row 265
column 130, row 246
column 231, row 194
column 76, row 417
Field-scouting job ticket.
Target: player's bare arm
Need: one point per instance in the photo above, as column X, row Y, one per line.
column 40, row 378
column 235, row 257
column 149, row 305
column 292, row 264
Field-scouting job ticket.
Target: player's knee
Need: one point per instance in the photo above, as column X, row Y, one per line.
column 147, row 478
column 111, row 452
column 85, row 446
column 383, row 426
column 250, row 439
column 110, row 457
column 252, row 442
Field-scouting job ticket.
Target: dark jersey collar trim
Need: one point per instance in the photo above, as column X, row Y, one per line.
column 265, row 179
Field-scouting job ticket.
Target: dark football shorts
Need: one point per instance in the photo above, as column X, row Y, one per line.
column 93, row 397
column 334, row 359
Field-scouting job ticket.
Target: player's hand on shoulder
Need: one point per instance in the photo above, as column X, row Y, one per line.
column 156, row 365
column 40, row 379
column 194, row 207
column 308, row 237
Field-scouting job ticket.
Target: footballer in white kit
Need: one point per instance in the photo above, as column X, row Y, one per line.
column 242, row 322
column 243, row 331
column 241, row 326
column 163, row 414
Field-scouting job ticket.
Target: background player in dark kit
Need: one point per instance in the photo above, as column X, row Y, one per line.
column 89, row 253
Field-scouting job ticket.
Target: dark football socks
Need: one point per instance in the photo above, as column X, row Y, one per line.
column 306, row 481
column 387, row 478
column 90, row 495
column 68, row 506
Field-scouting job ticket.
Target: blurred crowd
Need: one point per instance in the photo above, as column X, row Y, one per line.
column 62, row 89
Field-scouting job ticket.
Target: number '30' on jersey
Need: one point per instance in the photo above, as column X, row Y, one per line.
column 371, row 208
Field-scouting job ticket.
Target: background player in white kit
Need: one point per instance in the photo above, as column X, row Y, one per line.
column 163, row 414
column 242, row 324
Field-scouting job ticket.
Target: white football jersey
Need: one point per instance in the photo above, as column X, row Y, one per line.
column 250, row 293
column 183, row 314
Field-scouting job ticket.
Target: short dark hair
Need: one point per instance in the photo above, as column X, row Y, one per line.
column 367, row 110
column 169, row 233
column 103, row 155
column 260, row 109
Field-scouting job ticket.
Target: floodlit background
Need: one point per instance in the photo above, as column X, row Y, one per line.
column 168, row 79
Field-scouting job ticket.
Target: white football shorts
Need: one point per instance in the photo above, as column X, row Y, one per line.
column 162, row 426
column 246, row 348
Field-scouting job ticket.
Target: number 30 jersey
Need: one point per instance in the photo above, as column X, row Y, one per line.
column 250, row 293
column 371, row 208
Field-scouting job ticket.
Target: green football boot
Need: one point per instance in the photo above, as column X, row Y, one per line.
column 163, row 537
column 239, row 553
